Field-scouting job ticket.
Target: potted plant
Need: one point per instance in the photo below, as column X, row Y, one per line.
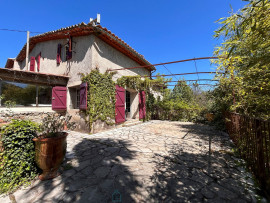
column 51, row 144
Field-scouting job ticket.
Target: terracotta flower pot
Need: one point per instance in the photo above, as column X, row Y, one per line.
column 50, row 153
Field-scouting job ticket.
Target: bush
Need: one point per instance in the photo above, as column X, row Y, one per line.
column 18, row 158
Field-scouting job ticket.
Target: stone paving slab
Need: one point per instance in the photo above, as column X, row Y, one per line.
column 157, row 161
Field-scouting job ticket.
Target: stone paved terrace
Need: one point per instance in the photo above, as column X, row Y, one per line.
column 157, row 161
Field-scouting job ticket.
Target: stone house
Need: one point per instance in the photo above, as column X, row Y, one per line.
column 58, row 58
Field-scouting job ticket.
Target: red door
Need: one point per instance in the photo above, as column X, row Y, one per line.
column 120, row 105
column 142, row 110
column 59, row 98
column 83, row 96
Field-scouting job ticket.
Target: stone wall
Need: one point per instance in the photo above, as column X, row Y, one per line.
column 33, row 116
column 83, row 123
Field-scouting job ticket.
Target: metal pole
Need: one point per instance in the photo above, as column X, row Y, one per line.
column 146, row 76
column 159, row 64
column 36, row 95
column 27, row 51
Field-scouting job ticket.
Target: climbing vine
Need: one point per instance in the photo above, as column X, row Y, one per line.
column 100, row 97
column 139, row 84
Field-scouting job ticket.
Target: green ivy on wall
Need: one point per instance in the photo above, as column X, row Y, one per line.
column 139, row 84
column 100, row 97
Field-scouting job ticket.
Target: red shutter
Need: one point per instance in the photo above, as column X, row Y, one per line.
column 142, row 110
column 38, row 61
column 59, row 98
column 32, row 63
column 83, row 96
column 120, row 105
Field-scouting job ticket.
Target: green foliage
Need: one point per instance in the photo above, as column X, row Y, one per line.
column 53, row 124
column 10, row 104
column 18, row 158
column 100, row 97
column 182, row 92
column 139, row 84
column 176, row 110
column 245, row 84
column 177, row 105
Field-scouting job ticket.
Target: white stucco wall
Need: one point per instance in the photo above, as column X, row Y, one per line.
column 106, row 57
column 89, row 52
column 80, row 62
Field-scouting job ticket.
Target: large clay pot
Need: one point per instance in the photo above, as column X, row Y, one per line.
column 50, row 153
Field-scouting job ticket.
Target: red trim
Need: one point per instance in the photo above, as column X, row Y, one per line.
column 59, row 98
column 120, row 104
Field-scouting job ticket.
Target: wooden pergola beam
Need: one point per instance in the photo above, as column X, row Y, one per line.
column 33, row 77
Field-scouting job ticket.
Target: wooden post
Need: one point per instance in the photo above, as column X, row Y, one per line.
column 36, row 95
column 27, row 51
column 0, row 92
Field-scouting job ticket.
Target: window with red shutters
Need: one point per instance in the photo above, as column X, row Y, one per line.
column 120, row 105
column 32, row 63
column 83, row 96
column 59, row 98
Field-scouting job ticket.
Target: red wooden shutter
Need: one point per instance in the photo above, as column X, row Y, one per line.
column 83, row 96
column 59, row 98
column 142, row 110
column 120, row 105
column 32, row 63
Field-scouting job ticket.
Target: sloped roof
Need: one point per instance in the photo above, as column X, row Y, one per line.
column 86, row 29
column 9, row 63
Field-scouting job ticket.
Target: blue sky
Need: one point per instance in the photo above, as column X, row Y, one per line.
column 160, row 30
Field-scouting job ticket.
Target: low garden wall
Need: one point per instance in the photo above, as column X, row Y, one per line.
column 33, row 116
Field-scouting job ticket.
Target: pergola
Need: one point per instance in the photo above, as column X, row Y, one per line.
column 29, row 77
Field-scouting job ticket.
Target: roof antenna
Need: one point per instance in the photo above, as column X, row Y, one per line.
column 95, row 21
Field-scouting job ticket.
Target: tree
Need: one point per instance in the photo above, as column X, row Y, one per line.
column 245, row 61
column 182, row 92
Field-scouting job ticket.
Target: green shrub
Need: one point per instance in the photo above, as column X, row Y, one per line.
column 18, row 158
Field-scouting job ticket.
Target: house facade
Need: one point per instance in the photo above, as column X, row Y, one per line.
column 77, row 50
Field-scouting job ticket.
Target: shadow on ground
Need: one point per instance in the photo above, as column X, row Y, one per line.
column 97, row 174
column 187, row 175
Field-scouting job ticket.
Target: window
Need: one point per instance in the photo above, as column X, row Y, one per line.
column 69, row 49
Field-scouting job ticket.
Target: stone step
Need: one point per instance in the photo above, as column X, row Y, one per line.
column 131, row 123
